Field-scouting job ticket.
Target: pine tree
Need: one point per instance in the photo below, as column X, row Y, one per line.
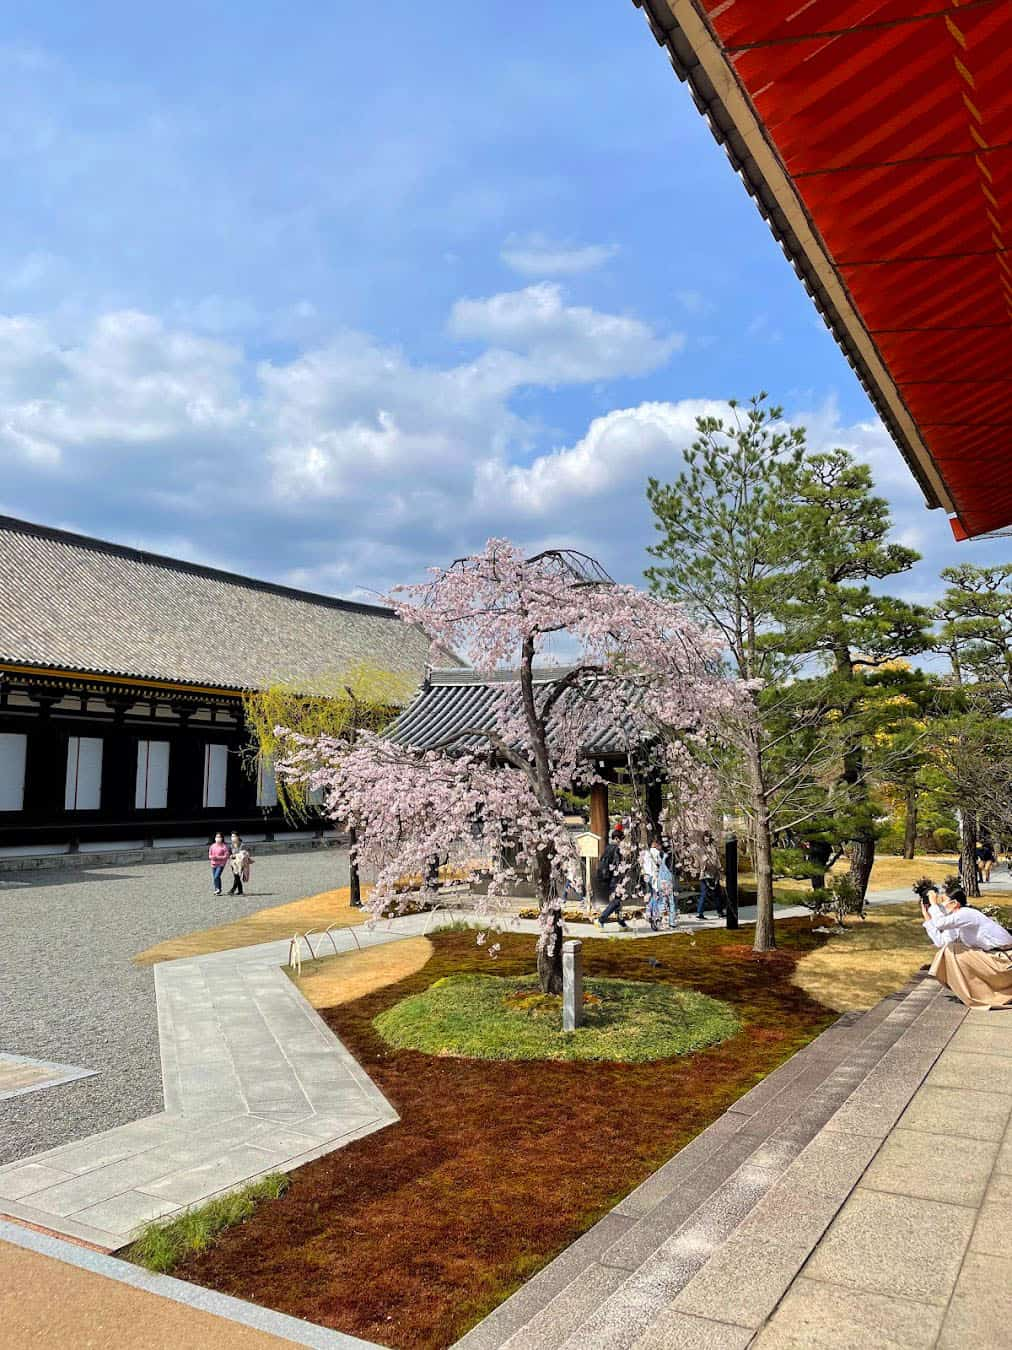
column 726, row 551
column 836, row 617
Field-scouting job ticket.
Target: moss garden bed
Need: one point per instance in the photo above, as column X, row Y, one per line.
column 498, row 1017
column 407, row 1236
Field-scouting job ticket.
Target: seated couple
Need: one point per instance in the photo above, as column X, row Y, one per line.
column 974, row 956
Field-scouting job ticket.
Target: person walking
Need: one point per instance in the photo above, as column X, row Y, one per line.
column 667, row 887
column 650, row 866
column 985, row 855
column 218, row 855
column 709, row 885
column 608, row 876
column 242, row 861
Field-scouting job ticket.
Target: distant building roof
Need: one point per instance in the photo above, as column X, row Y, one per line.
column 451, row 701
column 69, row 602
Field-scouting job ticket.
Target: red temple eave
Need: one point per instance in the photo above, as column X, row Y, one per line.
column 873, row 135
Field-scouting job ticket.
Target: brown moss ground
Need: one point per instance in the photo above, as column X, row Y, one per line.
column 313, row 914
column 409, row 1236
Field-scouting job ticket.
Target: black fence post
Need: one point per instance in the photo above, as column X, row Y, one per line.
column 731, row 879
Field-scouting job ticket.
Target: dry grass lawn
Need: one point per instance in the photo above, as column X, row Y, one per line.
column 333, row 980
column 866, row 961
column 870, row 959
column 889, row 871
column 313, row 914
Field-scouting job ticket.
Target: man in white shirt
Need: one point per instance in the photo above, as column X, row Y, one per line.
column 974, row 956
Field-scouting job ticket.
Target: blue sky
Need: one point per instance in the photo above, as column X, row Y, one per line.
column 326, row 293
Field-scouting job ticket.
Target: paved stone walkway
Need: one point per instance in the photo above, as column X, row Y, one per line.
column 21, row 1073
column 700, row 1255
column 254, row 1082
column 918, row 1254
column 70, row 992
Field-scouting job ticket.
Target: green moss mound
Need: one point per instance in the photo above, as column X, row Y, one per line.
column 495, row 1017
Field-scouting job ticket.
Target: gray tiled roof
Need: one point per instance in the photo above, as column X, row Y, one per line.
column 453, row 700
column 74, row 603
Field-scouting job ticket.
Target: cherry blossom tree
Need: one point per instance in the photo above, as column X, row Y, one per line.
column 640, row 666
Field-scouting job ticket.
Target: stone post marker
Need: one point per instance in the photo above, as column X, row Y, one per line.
column 572, row 985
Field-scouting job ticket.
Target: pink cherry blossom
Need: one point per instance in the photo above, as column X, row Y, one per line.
column 641, row 665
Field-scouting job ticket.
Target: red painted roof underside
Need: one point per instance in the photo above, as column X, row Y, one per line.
column 894, row 121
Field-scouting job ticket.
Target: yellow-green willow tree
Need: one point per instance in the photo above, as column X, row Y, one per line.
column 362, row 698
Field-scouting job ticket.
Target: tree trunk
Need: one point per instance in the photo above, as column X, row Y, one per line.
column 550, row 958
column 765, row 936
column 862, row 856
column 968, row 854
column 354, row 883
column 550, row 946
column 910, row 831
column 862, row 848
column 819, row 853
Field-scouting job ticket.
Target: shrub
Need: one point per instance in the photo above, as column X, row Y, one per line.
column 507, row 1017
column 945, row 840
column 839, row 899
column 996, row 912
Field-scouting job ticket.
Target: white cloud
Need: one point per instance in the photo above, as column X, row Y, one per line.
column 534, row 255
column 562, row 343
column 130, row 382
column 623, row 447
column 695, row 302
column 351, row 466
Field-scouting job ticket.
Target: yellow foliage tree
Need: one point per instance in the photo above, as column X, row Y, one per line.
column 341, row 704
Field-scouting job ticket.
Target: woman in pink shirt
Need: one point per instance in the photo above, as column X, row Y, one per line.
column 218, row 855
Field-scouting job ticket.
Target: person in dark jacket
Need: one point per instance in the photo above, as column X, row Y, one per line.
column 608, row 876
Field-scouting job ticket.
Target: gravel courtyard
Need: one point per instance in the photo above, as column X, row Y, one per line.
column 70, row 993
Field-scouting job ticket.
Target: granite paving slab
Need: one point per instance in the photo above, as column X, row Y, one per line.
column 917, row 1256
column 240, row 1102
column 71, row 994
column 21, row 1074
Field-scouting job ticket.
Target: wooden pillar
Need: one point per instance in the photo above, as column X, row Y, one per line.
column 655, row 805
column 46, row 766
column 599, row 812
column 119, row 769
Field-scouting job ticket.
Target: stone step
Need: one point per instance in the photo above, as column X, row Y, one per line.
column 606, row 1289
